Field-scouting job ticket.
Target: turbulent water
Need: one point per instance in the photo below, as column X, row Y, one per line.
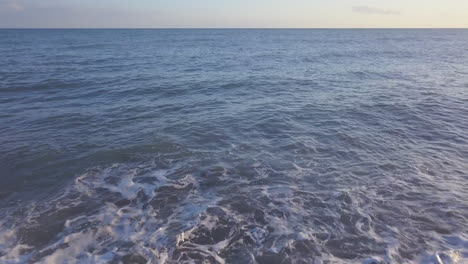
column 234, row 146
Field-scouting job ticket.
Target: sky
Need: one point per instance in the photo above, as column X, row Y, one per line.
column 234, row 13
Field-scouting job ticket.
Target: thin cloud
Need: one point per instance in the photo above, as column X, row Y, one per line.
column 7, row 5
column 374, row 10
column 15, row 6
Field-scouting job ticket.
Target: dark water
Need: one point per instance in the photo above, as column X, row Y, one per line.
column 234, row 146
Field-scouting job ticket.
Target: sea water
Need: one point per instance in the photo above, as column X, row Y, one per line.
column 233, row 146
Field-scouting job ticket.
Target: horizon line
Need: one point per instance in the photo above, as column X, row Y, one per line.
column 244, row 28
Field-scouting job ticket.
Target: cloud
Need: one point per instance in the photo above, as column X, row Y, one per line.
column 374, row 10
column 15, row 6
column 12, row 6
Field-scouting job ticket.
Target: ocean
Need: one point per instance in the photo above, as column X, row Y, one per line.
column 234, row 146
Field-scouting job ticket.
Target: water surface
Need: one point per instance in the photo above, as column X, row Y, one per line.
column 234, row 146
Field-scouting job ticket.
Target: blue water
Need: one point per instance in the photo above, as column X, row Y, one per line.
column 234, row 146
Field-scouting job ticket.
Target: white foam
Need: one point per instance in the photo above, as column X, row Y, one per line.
column 95, row 238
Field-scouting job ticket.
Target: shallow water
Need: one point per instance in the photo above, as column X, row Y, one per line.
column 234, row 146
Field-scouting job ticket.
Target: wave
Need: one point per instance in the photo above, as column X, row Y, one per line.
column 139, row 213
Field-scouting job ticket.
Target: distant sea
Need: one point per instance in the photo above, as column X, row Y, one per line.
column 234, row 146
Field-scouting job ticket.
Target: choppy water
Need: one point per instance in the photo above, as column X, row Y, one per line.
column 234, row 146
